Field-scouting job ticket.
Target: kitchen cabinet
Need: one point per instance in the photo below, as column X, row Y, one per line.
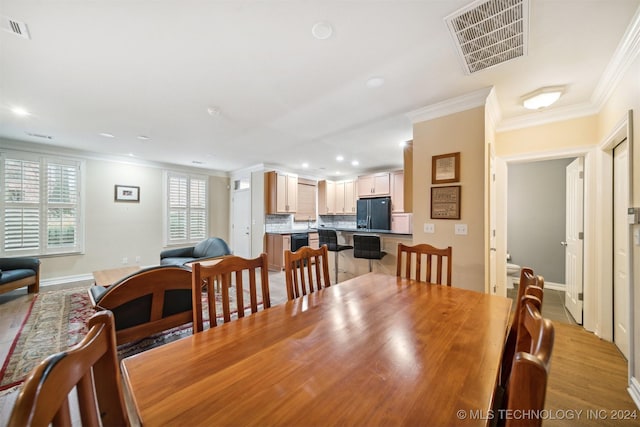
column 276, row 245
column 306, row 210
column 402, row 223
column 326, row 197
column 281, row 193
column 397, row 191
column 345, row 197
column 314, row 240
column 374, row 185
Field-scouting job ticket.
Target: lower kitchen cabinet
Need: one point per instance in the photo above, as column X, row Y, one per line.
column 276, row 245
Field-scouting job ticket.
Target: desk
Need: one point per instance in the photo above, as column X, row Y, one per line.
column 373, row 350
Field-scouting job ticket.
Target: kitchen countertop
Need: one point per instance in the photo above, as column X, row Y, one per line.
column 304, row 230
column 369, row 231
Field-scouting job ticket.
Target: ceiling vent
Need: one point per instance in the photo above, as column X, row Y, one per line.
column 15, row 27
column 488, row 33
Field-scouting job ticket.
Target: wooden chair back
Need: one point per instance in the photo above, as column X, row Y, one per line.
column 149, row 301
column 530, row 284
column 412, row 256
column 226, row 272
column 306, row 270
column 92, row 367
column 527, row 384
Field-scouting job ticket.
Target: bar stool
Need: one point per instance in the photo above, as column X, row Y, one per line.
column 367, row 246
column 330, row 238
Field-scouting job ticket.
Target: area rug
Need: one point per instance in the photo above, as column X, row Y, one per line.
column 57, row 320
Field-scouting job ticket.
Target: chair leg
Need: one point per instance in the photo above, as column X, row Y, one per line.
column 370, row 265
column 336, row 265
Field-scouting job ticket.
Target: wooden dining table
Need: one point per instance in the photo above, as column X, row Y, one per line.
column 373, row 350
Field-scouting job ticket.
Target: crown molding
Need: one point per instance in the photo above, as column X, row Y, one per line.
column 538, row 118
column 492, row 109
column 465, row 102
column 623, row 57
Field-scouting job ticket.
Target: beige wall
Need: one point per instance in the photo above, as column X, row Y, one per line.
column 573, row 133
column 463, row 132
column 117, row 230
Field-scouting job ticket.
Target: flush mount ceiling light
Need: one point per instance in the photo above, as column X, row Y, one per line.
column 374, row 82
column 214, row 111
column 542, row 97
column 19, row 111
column 322, row 30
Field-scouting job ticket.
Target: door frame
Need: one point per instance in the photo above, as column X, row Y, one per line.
column 604, row 234
column 590, row 302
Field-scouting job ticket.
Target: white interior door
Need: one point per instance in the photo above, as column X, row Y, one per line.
column 621, row 297
column 574, row 239
column 242, row 223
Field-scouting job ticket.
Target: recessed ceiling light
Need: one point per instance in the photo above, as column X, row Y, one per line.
column 374, row 82
column 337, row 172
column 214, row 111
column 339, row 158
column 322, row 30
column 542, row 97
column 305, row 165
column 19, row 111
column 131, row 155
column 107, row 135
column 403, row 144
column 355, row 163
column 143, row 138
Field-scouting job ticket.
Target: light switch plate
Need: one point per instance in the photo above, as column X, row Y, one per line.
column 460, row 229
column 429, row 228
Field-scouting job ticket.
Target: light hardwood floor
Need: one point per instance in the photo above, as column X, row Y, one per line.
column 587, row 373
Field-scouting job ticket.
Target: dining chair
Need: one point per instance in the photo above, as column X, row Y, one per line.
column 530, row 284
column 306, row 270
column 367, row 246
column 329, row 238
column 527, row 383
column 409, row 256
column 227, row 272
column 91, row 367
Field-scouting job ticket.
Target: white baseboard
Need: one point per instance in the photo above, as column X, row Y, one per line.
column 555, row 286
column 634, row 391
column 65, row 279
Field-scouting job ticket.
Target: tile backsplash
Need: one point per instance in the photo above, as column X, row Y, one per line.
column 283, row 223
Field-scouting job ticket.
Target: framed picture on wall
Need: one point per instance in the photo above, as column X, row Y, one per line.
column 445, row 202
column 127, row 193
column 445, row 168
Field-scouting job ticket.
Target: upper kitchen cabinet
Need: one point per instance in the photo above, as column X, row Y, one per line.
column 346, row 197
column 326, row 198
column 374, row 185
column 306, row 200
column 281, row 193
column 397, row 191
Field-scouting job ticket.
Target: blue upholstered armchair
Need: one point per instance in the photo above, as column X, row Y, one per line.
column 212, row 247
column 18, row 272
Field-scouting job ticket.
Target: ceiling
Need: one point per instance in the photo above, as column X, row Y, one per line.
column 277, row 95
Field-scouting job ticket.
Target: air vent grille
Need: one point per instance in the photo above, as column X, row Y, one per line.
column 15, row 27
column 488, row 33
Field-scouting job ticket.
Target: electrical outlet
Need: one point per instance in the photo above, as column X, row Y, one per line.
column 138, row 259
column 125, row 260
column 429, row 228
column 460, row 229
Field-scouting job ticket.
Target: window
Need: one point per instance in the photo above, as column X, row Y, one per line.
column 186, row 208
column 40, row 205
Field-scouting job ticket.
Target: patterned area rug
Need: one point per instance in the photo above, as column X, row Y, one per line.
column 57, row 320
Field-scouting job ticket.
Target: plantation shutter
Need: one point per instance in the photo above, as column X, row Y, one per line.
column 40, row 205
column 21, row 205
column 187, row 213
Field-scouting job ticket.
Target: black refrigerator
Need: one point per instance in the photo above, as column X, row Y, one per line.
column 374, row 214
